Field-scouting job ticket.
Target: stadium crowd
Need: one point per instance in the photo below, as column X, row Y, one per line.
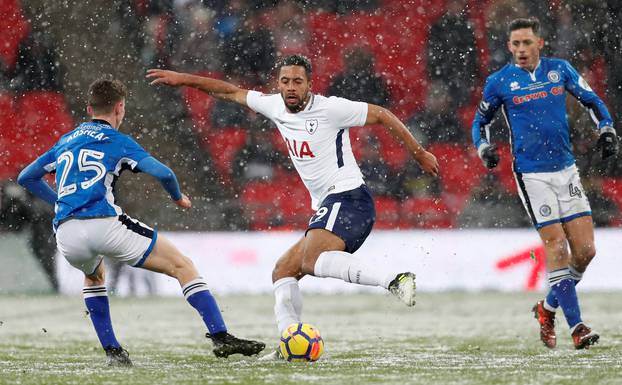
column 425, row 60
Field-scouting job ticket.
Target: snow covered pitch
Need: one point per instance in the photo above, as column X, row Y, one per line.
column 449, row 338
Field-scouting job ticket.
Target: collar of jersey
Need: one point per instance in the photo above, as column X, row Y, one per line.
column 309, row 105
column 101, row 121
column 530, row 72
column 308, row 108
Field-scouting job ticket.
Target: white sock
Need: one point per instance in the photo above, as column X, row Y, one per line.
column 344, row 266
column 287, row 302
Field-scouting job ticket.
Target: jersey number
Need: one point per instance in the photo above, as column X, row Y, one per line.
column 84, row 164
column 575, row 191
column 319, row 215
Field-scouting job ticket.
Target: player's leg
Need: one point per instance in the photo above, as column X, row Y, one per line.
column 77, row 240
column 319, row 253
column 339, row 227
column 98, row 307
column 287, row 296
column 324, row 257
column 557, row 257
column 541, row 203
column 575, row 216
column 141, row 246
column 580, row 233
column 562, row 284
column 166, row 258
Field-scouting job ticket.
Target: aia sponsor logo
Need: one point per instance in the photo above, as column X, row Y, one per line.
column 299, row 149
column 558, row 90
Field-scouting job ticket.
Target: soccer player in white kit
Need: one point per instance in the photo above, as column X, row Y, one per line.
column 315, row 129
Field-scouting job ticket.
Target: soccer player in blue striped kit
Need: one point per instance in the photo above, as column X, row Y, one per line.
column 531, row 93
column 89, row 225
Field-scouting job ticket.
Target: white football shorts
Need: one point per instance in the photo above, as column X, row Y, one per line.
column 553, row 197
column 84, row 242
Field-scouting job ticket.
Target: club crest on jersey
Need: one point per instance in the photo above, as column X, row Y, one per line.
column 553, row 76
column 514, row 86
column 311, row 125
column 545, row 210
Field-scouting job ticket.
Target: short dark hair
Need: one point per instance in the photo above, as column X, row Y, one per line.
column 531, row 22
column 296, row 60
column 104, row 93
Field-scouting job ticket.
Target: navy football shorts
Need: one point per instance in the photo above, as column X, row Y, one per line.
column 350, row 215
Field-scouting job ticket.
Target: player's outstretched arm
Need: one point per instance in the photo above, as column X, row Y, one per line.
column 578, row 87
column 216, row 88
column 167, row 178
column 31, row 179
column 380, row 115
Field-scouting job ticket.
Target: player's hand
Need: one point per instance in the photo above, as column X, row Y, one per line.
column 170, row 78
column 608, row 143
column 489, row 156
column 428, row 163
column 184, row 202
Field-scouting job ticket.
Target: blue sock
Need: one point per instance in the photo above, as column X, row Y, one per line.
column 551, row 300
column 563, row 287
column 200, row 298
column 96, row 300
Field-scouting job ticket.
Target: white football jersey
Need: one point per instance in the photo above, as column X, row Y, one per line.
column 318, row 140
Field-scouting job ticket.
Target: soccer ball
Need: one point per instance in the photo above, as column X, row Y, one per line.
column 301, row 342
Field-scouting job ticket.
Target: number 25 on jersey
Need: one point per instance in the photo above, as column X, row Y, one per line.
column 84, row 164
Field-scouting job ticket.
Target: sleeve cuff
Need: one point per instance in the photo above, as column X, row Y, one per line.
column 482, row 146
column 607, row 129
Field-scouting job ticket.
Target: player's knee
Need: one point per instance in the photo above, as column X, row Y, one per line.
column 556, row 240
column 95, row 279
column 590, row 252
column 285, row 268
column 275, row 274
column 180, row 267
column 586, row 254
column 308, row 264
column 307, row 267
column 279, row 271
column 557, row 243
column 184, row 264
